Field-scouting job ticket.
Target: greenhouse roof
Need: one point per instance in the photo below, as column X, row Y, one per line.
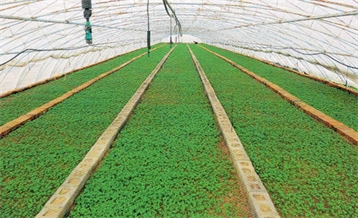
column 46, row 38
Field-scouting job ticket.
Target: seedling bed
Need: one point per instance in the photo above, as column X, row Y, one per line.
column 306, row 167
column 37, row 157
column 167, row 160
column 338, row 104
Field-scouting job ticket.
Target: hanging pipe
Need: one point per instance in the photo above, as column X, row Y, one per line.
column 87, row 13
column 148, row 42
column 167, row 8
column 171, row 32
column 148, row 32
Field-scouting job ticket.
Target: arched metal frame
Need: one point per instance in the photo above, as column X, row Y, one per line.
column 317, row 37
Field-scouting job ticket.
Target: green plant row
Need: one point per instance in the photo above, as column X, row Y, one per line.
column 308, row 169
column 21, row 103
column 167, row 161
column 338, row 104
column 38, row 157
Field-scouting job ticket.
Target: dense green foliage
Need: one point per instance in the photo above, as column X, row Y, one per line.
column 36, row 158
column 336, row 103
column 21, row 103
column 167, row 161
column 308, row 169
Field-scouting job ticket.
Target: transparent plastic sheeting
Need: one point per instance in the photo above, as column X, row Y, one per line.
column 48, row 39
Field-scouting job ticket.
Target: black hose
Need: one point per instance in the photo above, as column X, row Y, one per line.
column 148, row 32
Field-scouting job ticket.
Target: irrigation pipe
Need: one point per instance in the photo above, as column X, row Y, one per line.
column 345, row 131
column 60, row 203
column 12, row 125
column 259, row 199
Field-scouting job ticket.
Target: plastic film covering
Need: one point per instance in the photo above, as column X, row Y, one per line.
column 46, row 38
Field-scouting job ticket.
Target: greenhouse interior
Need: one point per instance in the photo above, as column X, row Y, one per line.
column 177, row 108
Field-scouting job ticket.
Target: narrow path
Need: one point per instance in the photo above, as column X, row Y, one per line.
column 13, row 124
column 169, row 159
column 42, row 153
column 332, row 84
column 260, row 201
column 347, row 132
column 101, row 64
column 20, row 103
column 305, row 166
column 59, row 204
column 336, row 103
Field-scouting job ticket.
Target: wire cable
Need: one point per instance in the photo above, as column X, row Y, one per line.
column 329, row 56
column 53, row 49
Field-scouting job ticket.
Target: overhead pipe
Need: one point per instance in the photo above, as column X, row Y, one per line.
column 87, row 13
column 148, row 32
